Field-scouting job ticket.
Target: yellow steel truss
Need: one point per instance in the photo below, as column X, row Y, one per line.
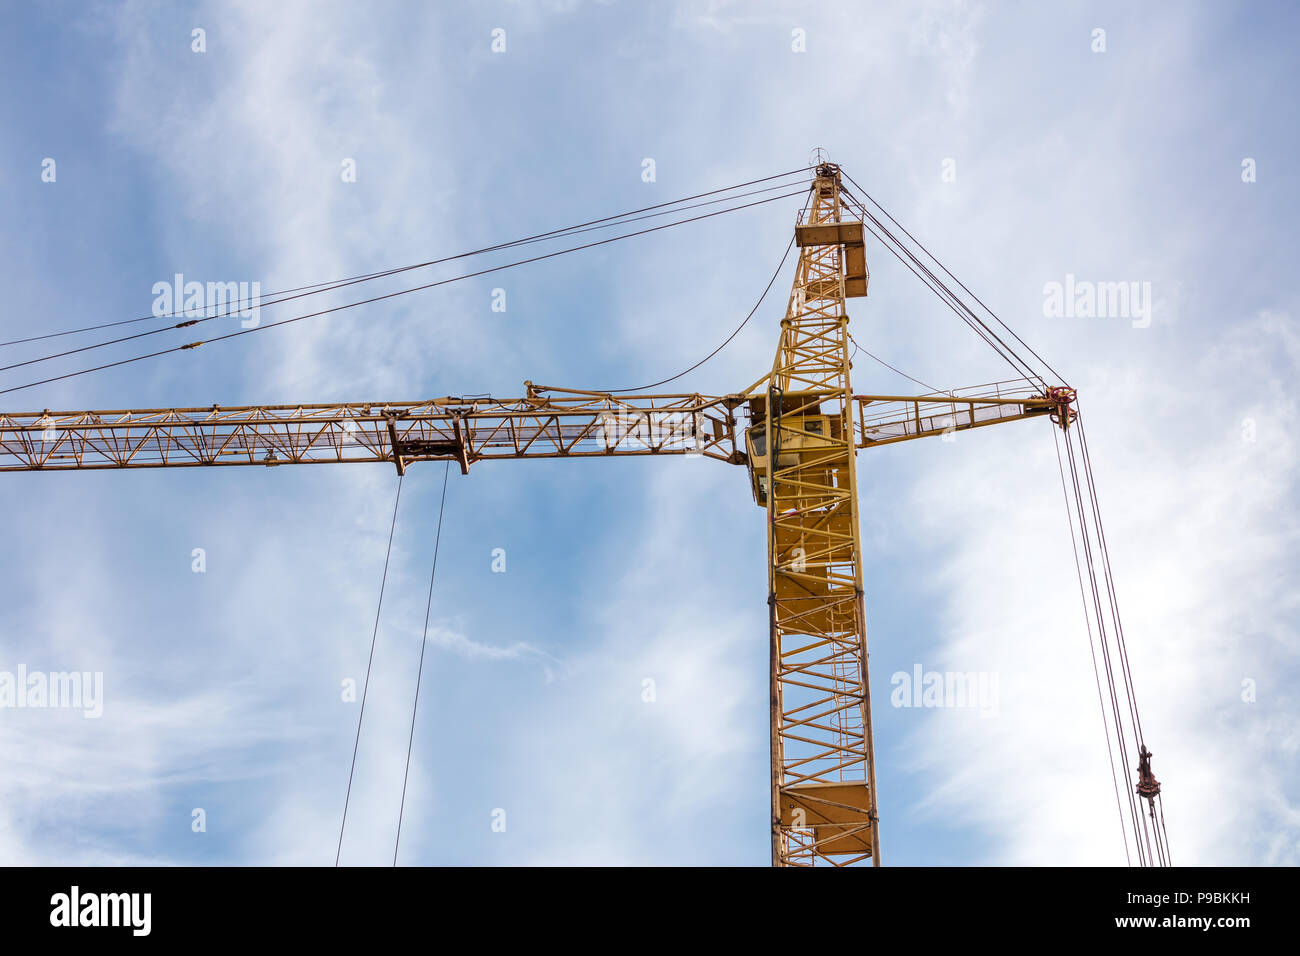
column 549, row 423
column 823, row 766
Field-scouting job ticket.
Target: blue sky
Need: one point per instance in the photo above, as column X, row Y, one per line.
column 222, row 689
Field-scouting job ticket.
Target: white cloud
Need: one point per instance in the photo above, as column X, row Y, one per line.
column 1203, row 578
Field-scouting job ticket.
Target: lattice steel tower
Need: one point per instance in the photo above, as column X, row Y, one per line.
column 802, row 454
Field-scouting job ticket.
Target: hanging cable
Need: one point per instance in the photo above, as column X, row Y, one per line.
column 419, row 673
column 333, row 284
column 390, row 295
column 1101, row 607
column 1104, row 641
column 365, row 690
column 857, row 348
column 1148, row 787
column 327, row 287
column 343, row 283
column 725, row 343
column 1092, row 650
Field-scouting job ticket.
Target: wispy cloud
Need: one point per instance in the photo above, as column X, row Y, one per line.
column 227, row 690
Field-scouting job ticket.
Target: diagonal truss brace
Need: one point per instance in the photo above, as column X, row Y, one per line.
column 549, row 423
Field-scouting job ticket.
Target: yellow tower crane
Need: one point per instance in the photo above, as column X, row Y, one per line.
column 805, row 427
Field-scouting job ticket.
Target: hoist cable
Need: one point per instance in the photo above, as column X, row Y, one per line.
column 1105, row 553
column 1126, row 678
column 1157, row 829
column 1116, row 711
column 1160, row 799
column 1092, row 651
column 1105, row 649
column 1149, row 828
column 419, row 673
column 369, row 663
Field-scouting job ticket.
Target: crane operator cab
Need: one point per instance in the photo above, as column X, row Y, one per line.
column 805, row 436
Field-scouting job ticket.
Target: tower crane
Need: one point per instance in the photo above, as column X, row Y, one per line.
column 805, row 425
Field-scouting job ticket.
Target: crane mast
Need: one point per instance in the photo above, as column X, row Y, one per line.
column 805, row 427
column 823, row 765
